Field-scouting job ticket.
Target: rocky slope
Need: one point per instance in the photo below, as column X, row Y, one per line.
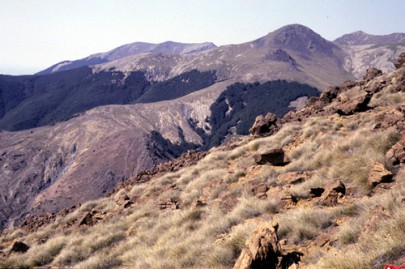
column 42, row 169
column 323, row 187
column 128, row 50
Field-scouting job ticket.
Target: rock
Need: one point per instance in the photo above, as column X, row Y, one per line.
column 334, row 190
column 125, row 201
column 352, row 101
column 396, row 155
column 378, row 174
column 330, row 94
column 372, row 73
column 265, row 125
column 273, row 157
column 336, row 186
column 387, row 120
column 257, row 188
column 316, row 192
column 400, row 61
column 262, row 249
column 322, row 240
column 19, row 247
column 293, row 178
column 85, row 219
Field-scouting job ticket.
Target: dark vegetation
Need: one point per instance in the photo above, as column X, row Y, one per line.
column 178, row 86
column 240, row 103
column 31, row 101
column 167, row 149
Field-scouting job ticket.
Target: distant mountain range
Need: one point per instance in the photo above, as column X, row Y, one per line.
column 128, row 50
column 77, row 132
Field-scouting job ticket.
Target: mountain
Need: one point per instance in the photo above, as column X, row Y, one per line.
column 322, row 187
column 149, row 107
column 362, row 38
column 250, row 61
column 364, row 51
column 127, row 50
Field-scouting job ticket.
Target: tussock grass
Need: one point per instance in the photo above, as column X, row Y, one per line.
column 213, row 235
column 305, row 223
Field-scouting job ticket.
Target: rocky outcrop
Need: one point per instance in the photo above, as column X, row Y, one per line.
column 396, row 155
column 352, row 101
column 263, row 251
column 273, row 156
column 265, row 125
column 19, row 247
column 372, row 73
column 401, row 60
column 378, row 174
column 333, row 191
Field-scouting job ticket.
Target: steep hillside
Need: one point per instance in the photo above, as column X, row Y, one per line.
column 324, row 189
column 43, row 169
column 365, row 51
column 127, row 50
column 32, row 101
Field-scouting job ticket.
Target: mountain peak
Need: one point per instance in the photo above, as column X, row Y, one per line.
column 298, row 38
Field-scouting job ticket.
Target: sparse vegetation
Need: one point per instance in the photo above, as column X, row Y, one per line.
column 202, row 215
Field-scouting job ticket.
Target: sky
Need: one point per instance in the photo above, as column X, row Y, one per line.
column 35, row 34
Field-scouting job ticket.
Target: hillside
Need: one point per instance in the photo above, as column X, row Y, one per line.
column 323, row 188
column 365, row 50
column 148, row 108
column 45, row 169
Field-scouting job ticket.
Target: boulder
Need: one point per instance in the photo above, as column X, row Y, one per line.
column 378, row 174
column 401, row 60
column 396, row 155
column 257, row 188
column 262, row 249
column 85, row 219
column 334, row 190
column 272, row 156
column 19, row 247
column 352, row 101
column 265, row 125
column 372, row 73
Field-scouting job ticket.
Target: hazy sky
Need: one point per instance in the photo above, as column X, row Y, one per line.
column 38, row 33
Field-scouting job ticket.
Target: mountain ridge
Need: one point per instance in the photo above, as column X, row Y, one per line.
column 127, row 50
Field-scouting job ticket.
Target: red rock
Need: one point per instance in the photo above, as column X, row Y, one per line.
column 265, row 125
column 378, row 174
column 273, row 157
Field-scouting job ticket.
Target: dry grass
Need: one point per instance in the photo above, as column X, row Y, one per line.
column 212, row 236
column 375, row 248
